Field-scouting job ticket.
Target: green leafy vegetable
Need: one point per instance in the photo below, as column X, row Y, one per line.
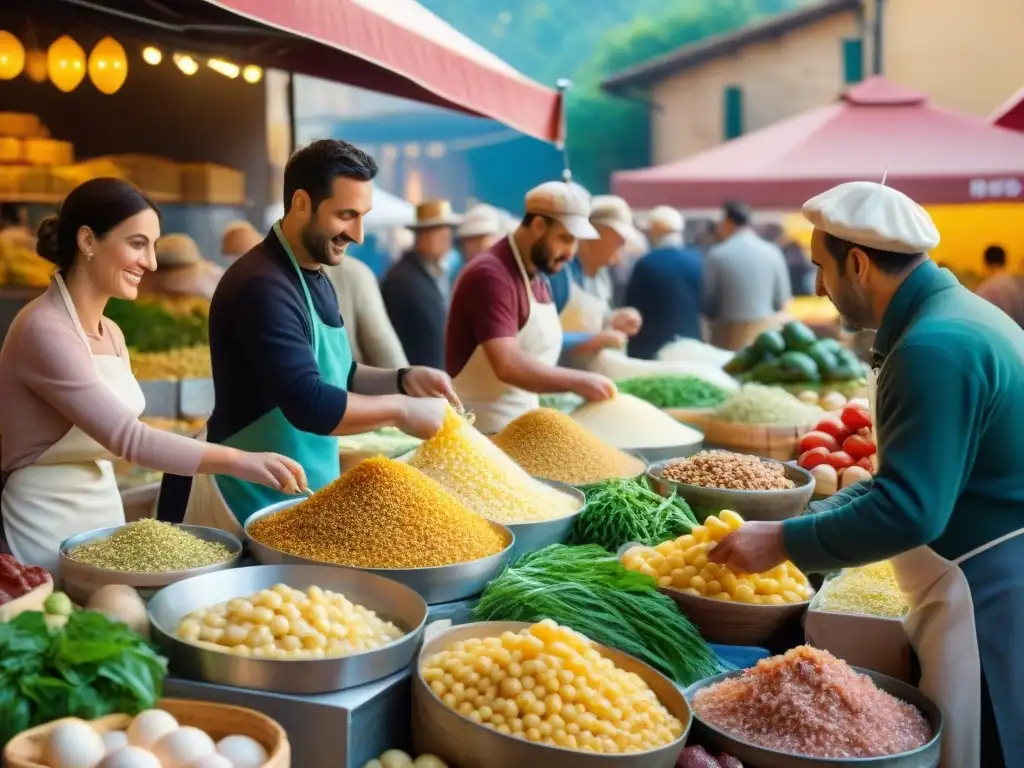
column 149, row 327
column 621, row 511
column 586, row 588
column 674, row 391
column 90, row 668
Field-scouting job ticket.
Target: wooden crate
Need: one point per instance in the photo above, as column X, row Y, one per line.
column 157, row 176
column 49, row 152
column 206, row 183
column 10, row 180
column 36, row 180
column 20, row 125
column 11, row 150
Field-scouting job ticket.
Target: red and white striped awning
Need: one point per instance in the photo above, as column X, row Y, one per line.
column 401, row 48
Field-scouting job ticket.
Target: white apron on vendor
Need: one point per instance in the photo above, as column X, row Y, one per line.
column 71, row 487
column 944, row 625
column 226, row 502
column 494, row 402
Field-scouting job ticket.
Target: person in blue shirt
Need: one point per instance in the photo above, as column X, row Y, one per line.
column 947, row 503
column 580, row 343
column 665, row 287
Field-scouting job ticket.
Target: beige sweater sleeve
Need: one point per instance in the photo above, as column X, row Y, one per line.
column 54, row 363
column 376, row 336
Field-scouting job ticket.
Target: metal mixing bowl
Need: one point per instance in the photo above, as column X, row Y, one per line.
column 457, row 740
column 750, row 505
column 923, row 757
column 532, row 536
column 440, row 584
column 79, row 580
column 391, row 601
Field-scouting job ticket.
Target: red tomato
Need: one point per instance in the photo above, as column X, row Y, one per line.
column 833, row 425
column 818, row 440
column 855, row 418
column 867, row 464
column 839, row 460
column 812, row 458
column 858, row 446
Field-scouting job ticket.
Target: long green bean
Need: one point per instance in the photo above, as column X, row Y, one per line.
column 622, row 511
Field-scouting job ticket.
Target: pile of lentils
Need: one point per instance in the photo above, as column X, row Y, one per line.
column 150, row 546
column 724, row 469
column 553, row 446
column 381, row 514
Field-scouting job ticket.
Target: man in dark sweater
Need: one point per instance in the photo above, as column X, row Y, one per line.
column 947, row 503
column 665, row 287
column 283, row 372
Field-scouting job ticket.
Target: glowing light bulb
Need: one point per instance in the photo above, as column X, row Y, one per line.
column 186, row 63
column 252, row 74
column 222, row 67
column 152, row 55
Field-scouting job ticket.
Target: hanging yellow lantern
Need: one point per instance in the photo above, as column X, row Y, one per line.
column 12, row 56
column 35, row 65
column 65, row 62
column 108, row 66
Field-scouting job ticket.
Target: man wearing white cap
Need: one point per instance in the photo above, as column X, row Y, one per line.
column 592, row 293
column 503, row 336
column 665, row 287
column 481, row 227
column 947, row 503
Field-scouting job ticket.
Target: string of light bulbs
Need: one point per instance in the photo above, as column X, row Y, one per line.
column 66, row 65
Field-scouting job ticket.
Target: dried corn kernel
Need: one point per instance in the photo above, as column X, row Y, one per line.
column 870, row 589
column 380, row 514
column 475, row 471
column 550, row 444
column 603, row 709
column 683, row 564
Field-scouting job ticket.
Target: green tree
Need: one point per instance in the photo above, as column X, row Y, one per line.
column 607, row 133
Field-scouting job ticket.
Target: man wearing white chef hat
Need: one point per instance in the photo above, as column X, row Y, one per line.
column 947, row 503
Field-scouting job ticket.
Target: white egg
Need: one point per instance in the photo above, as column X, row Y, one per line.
column 395, row 758
column 149, row 727
column 130, row 757
column 114, row 740
column 242, row 751
column 74, row 744
column 181, row 748
column 212, row 760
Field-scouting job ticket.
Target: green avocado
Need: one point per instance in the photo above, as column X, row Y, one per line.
column 829, row 344
column 770, row 343
column 742, row 361
column 767, row 372
column 797, row 366
column 797, row 336
column 825, row 359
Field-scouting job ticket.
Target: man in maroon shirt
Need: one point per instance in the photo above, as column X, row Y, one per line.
column 503, row 336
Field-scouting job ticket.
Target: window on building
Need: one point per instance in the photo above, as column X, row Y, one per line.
column 732, row 122
column 853, row 60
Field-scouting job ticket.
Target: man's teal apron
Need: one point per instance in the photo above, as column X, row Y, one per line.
column 226, row 502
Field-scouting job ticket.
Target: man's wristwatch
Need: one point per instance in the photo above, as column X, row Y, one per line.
column 401, row 380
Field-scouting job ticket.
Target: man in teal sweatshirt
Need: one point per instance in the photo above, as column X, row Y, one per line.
column 947, row 503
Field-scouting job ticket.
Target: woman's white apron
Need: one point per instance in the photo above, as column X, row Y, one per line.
column 940, row 627
column 71, row 488
column 494, row 402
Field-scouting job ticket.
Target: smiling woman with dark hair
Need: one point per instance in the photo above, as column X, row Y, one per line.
column 68, row 400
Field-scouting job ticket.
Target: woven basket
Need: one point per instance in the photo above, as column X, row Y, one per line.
column 772, row 441
column 218, row 720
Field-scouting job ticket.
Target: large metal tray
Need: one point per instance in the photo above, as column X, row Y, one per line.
column 923, row 757
column 441, row 584
column 531, row 537
column 80, row 580
column 457, row 740
column 391, row 601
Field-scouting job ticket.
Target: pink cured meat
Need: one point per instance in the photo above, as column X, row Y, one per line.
column 808, row 702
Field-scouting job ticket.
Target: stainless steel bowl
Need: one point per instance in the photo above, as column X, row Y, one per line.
column 441, row 584
column 391, row 601
column 80, row 580
column 533, row 536
column 457, row 740
column 652, row 455
column 923, row 757
column 750, row 505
